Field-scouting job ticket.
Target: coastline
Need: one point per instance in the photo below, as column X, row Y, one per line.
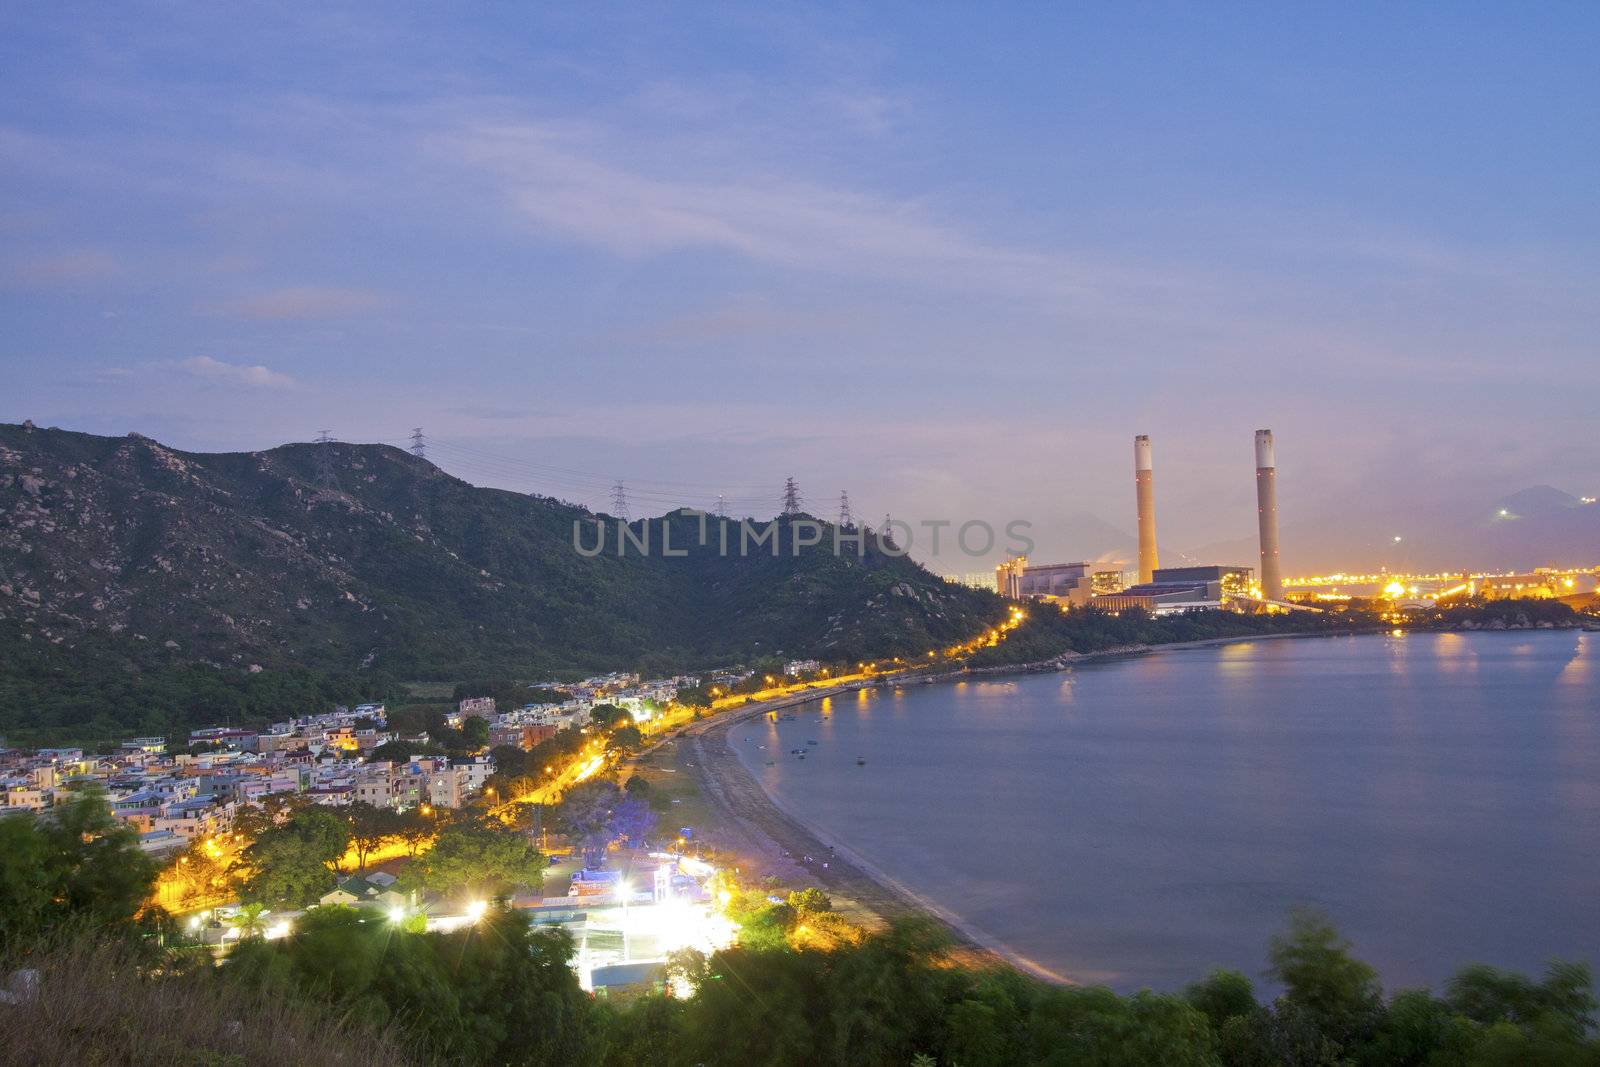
column 781, row 844
column 775, row 842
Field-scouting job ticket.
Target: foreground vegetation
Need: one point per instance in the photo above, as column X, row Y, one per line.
column 93, row 975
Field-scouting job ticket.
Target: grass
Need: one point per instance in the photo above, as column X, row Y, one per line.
column 671, row 781
column 93, row 1004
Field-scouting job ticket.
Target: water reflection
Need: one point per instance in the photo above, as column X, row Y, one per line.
column 1156, row 816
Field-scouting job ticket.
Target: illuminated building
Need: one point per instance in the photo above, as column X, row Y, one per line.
column 1062, row 582
column 1183, row 589
column 1107, row 582
column 1008, row 577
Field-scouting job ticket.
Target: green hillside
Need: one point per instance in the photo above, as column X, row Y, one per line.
column 126, row 567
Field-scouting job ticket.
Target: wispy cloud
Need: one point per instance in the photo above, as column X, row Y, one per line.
column 254, row 375
column 76, row 265
column 303, row 302
column 564, row 181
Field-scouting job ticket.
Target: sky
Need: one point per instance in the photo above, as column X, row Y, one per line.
column 949, row 258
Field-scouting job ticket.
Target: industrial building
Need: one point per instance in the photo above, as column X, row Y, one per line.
column 1107, row 582
column 1063, row 583
column 1173, row 589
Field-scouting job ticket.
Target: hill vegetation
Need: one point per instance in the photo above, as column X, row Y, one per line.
column 146, row 588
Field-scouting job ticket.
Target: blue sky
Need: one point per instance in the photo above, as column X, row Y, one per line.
column 949, row 258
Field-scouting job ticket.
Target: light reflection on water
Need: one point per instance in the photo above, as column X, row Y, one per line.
column 1143, row 820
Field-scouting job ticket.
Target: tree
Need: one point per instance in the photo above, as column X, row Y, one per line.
column 323, row 830
column 1221, row 995
column 1488, row 995
column 415, row 829
column 370, row 827
column 80, row 865
column 474, row 732
column 1337, row 992
column 511, row 761
column 250, row 920
column 810, row 899
column 478, row 858
column 292, row 866
column 596, row 813
column 606, row 716
column 627, row 739
column 402, row 751
column 272, row 810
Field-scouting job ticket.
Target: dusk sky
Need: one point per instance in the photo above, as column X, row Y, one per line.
column 948, row 257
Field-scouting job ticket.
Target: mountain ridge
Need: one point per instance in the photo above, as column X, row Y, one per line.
column 344, row 557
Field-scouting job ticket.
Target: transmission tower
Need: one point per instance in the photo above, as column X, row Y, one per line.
column 722, row 506
column 324, row 458
column 886, row 532
column 845, row 519
column 419, row 447
column 791, row 497
column 619, row 501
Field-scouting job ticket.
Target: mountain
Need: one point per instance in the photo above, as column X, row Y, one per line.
column 122, row 555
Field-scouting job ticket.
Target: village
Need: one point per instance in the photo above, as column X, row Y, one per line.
column 629, row 893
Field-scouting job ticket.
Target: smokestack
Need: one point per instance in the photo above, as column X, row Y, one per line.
column 1267, row 515
column 1145, row 492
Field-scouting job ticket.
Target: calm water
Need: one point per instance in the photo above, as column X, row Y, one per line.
column 1138, row 822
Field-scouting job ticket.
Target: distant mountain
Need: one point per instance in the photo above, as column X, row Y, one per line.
column 348, row 557
column 1539, row 501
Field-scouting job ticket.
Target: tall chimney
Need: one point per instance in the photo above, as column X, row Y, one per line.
column 1145, row 491
column 1267, row 515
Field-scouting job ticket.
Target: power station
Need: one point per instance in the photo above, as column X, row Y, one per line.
column 1161, row 589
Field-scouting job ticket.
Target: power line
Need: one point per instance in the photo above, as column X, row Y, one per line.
column 521, row 471
column 323, row 455
column 531, row 465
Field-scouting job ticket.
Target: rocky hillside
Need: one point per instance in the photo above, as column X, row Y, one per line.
column 363, row 557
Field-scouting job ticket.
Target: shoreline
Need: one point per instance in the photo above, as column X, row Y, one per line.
column 780, row 839
column 777, row 842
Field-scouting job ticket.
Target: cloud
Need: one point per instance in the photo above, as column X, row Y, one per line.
column 83, row 264
column 560, row 179
column 303, row 302
column 254, row 376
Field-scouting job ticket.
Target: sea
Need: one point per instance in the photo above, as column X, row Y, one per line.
column 1137, row 822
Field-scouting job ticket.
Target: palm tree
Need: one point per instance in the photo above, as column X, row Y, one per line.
column 250, row 921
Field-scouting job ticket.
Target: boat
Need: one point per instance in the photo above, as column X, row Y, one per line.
column 861, row 761
column 810, row 742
